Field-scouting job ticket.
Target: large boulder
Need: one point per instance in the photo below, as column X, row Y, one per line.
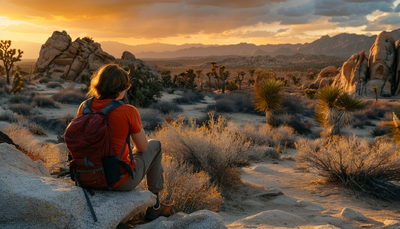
column 329, row 71
column 353, row 73
column 31, row 198
column 382, row 64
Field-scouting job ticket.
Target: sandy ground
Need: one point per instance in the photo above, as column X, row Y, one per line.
column 304, row 194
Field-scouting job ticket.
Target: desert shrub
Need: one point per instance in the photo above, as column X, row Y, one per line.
column 376, row 110
column 22, row 109
column 310, row 93
column 382, row 128
column 293, row 121
column 150, row 118
column 53, row 85
column 293, row 105
column 189, row 97
column 52, row 156
column 57, row 125
column 26, row 96
column 69, row 96
column 43, row 80
column 241, row 102
column 222, row 105
column 45, row 102
column 18, row 84
column 368, row 167
column 265, row 134
column 360, row 119
column 165, row 107
column 209, row 148
column 8, row 116
column 188, row 191
column 232, row 86
column 36, row 130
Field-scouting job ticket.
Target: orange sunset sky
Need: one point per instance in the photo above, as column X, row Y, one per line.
column 136, row 22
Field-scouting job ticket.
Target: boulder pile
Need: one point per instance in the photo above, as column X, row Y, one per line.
column 360, row 74
column 60, row 57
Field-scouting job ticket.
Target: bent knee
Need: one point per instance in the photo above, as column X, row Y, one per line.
column 155, row 143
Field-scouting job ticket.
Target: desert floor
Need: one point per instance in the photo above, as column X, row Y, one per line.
column 307, row 201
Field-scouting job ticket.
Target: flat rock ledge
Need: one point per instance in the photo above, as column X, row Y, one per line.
column 31, row 198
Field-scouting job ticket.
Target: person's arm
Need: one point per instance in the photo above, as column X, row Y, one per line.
column 140, row 141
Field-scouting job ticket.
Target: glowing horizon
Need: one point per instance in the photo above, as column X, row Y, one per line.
column 206, row 22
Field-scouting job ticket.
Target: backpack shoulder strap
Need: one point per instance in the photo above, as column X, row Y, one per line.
column 111, row 106
column 86, row 107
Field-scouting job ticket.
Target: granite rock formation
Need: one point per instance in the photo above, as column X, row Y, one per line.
column 60, row 57
column 360, row 74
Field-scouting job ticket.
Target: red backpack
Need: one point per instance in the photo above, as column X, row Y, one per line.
column 94, row 163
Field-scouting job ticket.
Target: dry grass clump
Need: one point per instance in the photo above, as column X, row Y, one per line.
column 53, row 85
column 265, row 134
column 222, row 105
column 69, row 96
column 36, row 129
column 21, row 109
column 369, row 167
column 209, row 148
column 33, row 147
column 26, row 96
column 188, row 191
column 45, row 102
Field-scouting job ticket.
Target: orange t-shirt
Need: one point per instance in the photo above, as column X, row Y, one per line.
column 121, row 120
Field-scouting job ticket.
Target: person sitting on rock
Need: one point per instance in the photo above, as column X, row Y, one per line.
column 112, row 82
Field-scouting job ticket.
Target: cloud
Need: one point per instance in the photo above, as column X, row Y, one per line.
column 350, row 21
column 342, row 8
column 296, row 11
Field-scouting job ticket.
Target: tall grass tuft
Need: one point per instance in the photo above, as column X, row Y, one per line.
column 209, row 148
column 369, row 167
column 69, row 96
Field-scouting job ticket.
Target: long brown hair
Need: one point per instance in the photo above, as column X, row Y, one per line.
column 108, row 81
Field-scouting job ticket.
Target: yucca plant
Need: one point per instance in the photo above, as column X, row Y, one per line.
column 334, row 108
column 268, row 97
column 395, row 126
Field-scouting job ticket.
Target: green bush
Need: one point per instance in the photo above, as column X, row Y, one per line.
column 145, row 89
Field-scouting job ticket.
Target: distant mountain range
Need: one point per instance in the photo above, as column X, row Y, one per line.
column 341, row 45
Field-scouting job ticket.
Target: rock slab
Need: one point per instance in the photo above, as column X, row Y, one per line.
column 30, row 198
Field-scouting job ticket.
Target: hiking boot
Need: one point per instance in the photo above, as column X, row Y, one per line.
column 164, row 210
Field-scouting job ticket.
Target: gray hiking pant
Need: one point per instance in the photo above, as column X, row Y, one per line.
column 149, row 164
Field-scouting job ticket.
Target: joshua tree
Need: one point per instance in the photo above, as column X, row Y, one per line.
column 190, row 77
column 209, row 75
column 8, row 57
column 224, row 76
column 214, row 66
column 334, row 108
column 200, row 76
column 268, row 97
column 251, row 80
column 239, row 78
